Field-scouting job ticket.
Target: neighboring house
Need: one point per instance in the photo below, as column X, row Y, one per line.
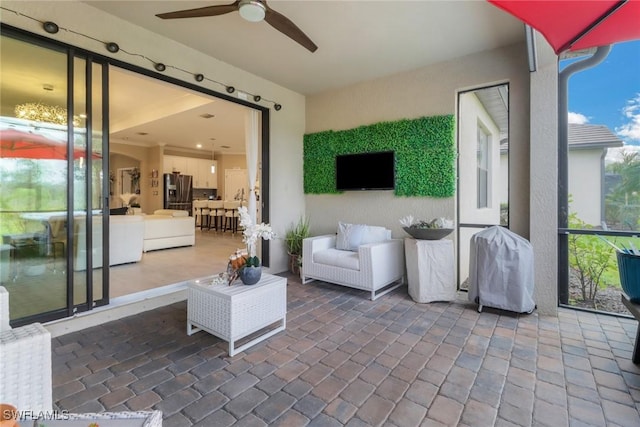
column 588, row 145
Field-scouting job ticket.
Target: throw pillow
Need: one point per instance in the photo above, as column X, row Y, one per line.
column 349, row 236
column 374, row 234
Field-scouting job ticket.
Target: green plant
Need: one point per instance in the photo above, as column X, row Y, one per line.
column 425, row 155
column 295, row 235
column 589, row 258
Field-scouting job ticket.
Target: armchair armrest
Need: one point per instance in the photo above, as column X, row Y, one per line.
column 382, row 261
column 317, row 243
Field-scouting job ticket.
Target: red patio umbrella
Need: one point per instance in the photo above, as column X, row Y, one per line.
column 26, row 145
column 575, row 25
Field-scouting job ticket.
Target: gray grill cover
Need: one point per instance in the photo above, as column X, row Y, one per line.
column 501, row 270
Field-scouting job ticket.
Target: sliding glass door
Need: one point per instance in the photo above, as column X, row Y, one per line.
column 51, row 173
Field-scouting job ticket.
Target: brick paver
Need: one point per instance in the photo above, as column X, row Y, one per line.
column 347, row 361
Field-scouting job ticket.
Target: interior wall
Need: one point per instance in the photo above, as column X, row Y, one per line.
column 142, row 155
column 286, row 126
column 119, row 161
column 424, row 92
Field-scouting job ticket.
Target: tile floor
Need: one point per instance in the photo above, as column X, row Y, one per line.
column 345, row 360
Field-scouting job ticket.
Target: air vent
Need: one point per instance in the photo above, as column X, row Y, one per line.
column 207, row 116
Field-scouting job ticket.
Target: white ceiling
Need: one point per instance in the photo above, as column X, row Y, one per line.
column 357, row 40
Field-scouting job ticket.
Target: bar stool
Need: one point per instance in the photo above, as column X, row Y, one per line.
column 231, row 215
column 202, row 212
column 216, row 213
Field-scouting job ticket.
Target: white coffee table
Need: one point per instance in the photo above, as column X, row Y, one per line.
column 237, row 311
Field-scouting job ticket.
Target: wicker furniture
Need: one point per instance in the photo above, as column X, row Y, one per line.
column 106, row 419
column 25, row 363
column 374, row 267
column 237, row 311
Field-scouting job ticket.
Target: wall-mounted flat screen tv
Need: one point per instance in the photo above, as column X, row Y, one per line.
column 365, row 171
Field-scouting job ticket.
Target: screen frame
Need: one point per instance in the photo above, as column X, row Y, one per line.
column 370, row 178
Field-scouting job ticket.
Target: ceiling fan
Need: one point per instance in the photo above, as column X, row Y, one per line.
column 251, row 10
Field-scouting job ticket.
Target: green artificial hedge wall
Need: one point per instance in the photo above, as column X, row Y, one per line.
column 424, row 151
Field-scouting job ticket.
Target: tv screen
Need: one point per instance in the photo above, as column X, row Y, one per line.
column 365, row 171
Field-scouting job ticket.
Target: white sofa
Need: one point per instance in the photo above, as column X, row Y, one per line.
column 168, row 228
column 25, row 363
column 125, row 240
column 366, row 258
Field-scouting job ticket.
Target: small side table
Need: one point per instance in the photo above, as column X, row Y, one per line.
column 635, row 310
column 430, row 269
column 237, row 311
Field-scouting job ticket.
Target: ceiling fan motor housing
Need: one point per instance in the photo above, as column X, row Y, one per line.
column 252, row 10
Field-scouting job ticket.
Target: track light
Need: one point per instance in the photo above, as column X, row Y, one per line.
column 112, row 47
column 50, row 27
column 253, row 10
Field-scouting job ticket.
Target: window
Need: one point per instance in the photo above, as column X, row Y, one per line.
column 483, row 167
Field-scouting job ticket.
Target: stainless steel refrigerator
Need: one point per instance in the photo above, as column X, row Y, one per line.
column 178, row 192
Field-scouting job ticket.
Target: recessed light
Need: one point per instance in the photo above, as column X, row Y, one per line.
column 207, row 115
column 224, row 146
column 198, row 145
column 142, row 133
column 212, row 139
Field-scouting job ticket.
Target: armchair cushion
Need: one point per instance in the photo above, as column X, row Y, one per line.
column 375, row 234
column 349, row 236
column 338, row 258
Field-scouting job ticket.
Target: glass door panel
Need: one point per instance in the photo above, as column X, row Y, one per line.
column 33, row 173
column 483, row 167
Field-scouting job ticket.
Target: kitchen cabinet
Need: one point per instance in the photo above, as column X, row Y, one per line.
column 175, row 164
column 204, row 177
column 199, row 169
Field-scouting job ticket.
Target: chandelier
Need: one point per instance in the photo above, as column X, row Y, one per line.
column 44, row 113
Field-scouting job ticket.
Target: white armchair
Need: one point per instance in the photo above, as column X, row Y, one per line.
column 25, row 363
column 376, row 267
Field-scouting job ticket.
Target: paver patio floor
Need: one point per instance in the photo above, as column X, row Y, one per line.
column 346, row 360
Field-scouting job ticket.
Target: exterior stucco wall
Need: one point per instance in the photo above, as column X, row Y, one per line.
column 585, row 184
column 544, row 177
column 424, row 92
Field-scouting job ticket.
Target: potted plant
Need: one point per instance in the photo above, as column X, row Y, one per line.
column 250, row 269
column 293, row 239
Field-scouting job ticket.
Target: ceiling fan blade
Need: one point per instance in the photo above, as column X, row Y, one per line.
column 288, row 28
column 201, row 11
